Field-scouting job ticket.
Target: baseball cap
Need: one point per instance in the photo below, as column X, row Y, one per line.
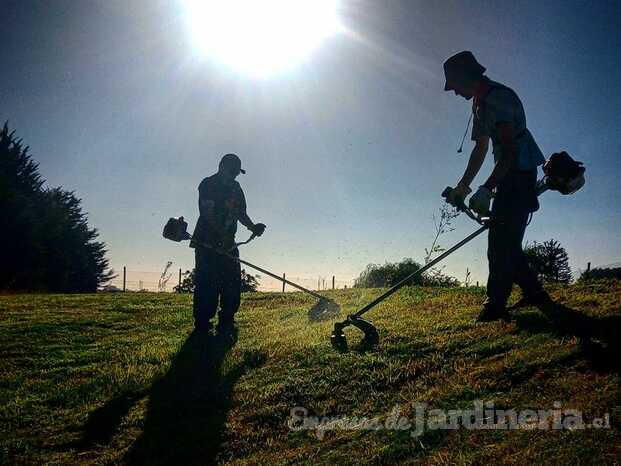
column 231, row 160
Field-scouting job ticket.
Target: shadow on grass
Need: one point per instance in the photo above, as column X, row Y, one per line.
column 187, row 408
column 599, row 336
column 104, row 422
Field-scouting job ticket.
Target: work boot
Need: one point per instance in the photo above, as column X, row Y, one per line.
column 490, row 313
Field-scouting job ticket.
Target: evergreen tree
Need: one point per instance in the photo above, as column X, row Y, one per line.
column 46, row 242
column 550, row 261
column 20, row 194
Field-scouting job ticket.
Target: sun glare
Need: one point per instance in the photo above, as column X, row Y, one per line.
column 260, row 37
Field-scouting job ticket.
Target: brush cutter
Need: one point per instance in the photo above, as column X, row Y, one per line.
column 562, row 174
column 371, row 336
column 176, row 230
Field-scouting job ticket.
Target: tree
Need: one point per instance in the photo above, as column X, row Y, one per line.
column 187, row 283
column 45, row 241
column 550, row 261
column 249, row 283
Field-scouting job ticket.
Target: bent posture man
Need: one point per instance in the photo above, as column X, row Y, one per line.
column 498, row 115
column 217, row 278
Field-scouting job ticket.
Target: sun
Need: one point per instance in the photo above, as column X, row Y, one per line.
column 260, row 37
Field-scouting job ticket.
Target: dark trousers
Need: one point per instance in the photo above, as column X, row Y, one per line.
column 217, row 281
column 515, row 200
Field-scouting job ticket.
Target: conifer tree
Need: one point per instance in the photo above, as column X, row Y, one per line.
column 45, row 242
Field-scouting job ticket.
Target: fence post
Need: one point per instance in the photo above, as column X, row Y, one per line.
column 283, row 282
column 588, row 270
column 124, row 278
column 179, row 280
column 332, row 281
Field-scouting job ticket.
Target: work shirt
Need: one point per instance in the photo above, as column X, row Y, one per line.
column 220, row 204
column 502, row 105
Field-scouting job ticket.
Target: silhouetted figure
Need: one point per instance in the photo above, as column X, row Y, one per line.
column 498, row 115
column 218, row 278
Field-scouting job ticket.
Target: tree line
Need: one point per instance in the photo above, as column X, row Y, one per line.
column 549, row 260
column 46, row 243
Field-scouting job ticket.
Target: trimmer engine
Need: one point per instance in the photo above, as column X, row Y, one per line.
column 563, row 174
column 176, row 229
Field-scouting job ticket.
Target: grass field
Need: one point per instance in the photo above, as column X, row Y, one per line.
column 119, row 378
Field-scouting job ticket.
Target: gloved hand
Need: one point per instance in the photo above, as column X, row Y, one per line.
column 258, row 229
column 480, row 201
column 457, row 195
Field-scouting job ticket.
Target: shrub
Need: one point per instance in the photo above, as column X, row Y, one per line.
column 389, row 274
column 606, row 272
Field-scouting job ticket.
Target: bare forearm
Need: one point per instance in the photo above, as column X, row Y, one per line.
column 244, row 219
column 477, row 157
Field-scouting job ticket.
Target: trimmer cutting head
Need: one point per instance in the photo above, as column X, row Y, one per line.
column 370, row 339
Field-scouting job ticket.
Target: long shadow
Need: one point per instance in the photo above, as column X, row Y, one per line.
column 187, row 408
column 104, row 422
column 598, row 336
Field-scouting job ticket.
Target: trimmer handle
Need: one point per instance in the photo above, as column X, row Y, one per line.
column 462, row 208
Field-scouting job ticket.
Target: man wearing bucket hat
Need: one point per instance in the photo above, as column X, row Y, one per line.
column 498, row 115
column 217, row 278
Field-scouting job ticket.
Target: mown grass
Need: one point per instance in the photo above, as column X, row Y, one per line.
column 118, row 378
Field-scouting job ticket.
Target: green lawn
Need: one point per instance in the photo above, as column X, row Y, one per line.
column 118, row 378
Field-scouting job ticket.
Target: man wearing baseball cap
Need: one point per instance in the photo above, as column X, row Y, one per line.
column 217, row 279
column 498, row 115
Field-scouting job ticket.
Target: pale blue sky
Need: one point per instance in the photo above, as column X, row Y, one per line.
column 346, row 154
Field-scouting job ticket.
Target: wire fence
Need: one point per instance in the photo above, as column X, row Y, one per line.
column 312, row 283
column 140, row 280
column 136, row 280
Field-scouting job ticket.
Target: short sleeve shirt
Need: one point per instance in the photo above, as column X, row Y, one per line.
column 224, row 203
column 502, row 105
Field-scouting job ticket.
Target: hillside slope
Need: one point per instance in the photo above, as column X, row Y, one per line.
column 119, row 378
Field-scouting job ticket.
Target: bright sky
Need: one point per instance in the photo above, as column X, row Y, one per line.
column 347, row 150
